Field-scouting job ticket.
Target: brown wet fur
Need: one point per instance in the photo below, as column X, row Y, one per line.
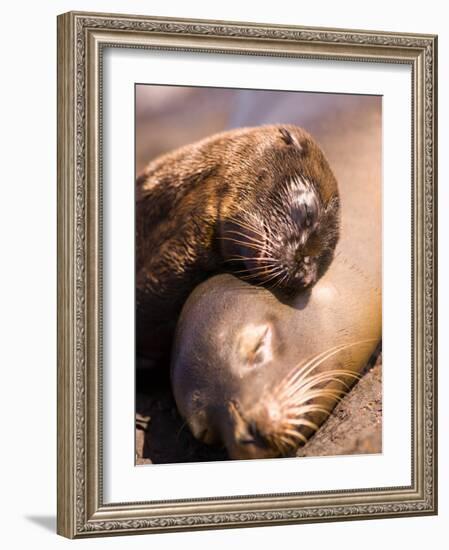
column 183, row 199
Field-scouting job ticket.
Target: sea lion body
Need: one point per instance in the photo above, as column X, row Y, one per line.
column 239, row 349
column 236, row 343
column 260, row 202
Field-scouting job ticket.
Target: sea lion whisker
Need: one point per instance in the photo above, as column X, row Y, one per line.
column 283, row 450
column 291, row 387
column 296, row 434
column 263, row 270
column 328, row 376
column 303, row 422
column 259, row 278
column 253, row 273
column 274, row 276
column 308, row 362
column 279, row 446
column 262, row 233
column 254, row 227
column 255, row 242
column 252, row 223
column 303, row 389
column 260, row 270
column 257, row 231
column 303, row 396
column 273, row 268
column 303, row 385
column 240, row 258
column 312, row 394
column 288, row 442
column 260, row 275
column 338, row 379
column 306, row 367
column 305, row 409
column 336, row 396
column 252, row 239
column 253, row 246
column 274, row 284
column 258, row 249
column 277, row 268
column 280, row 281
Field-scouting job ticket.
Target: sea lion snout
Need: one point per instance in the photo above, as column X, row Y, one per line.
column 304, row 274
column 244, row 438
column 287, row 240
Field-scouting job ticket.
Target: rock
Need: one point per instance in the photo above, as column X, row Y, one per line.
column 355, row 425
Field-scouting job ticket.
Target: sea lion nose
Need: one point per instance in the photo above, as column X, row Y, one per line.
column 243, row 432
column 308, row 278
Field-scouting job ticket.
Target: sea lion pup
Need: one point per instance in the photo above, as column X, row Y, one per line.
column 260, row 202
column 260, row 375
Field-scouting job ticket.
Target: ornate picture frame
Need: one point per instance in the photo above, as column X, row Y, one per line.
column 82, row 40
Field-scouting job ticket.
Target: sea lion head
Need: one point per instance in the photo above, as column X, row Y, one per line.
column 236, row 377
column 286, row 238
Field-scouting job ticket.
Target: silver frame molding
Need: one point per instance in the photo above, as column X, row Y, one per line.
column 81, row 39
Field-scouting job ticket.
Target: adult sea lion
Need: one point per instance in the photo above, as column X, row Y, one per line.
column 260, row 202
column 258, row 372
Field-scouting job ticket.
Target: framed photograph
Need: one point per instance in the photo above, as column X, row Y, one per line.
column 246, row 274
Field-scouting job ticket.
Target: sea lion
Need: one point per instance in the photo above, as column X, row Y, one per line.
column 260, row 202
column 260, row 372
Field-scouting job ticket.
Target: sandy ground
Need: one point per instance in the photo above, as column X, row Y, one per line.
column 354, row 427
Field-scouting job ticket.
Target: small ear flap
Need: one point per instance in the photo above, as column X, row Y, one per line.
column 286, row 136
column 289, row 139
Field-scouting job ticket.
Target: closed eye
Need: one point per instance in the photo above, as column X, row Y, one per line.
column 256, row 345
column 304, row 212
column 257, row 355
